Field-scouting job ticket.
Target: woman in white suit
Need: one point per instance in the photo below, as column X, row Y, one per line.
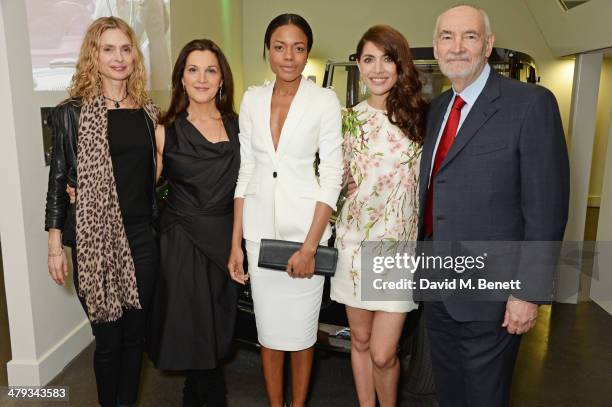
column 278, row 196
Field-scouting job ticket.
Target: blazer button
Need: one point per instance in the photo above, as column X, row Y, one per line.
column 274, row 174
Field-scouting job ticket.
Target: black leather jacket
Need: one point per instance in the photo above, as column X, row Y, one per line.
column 64, row 120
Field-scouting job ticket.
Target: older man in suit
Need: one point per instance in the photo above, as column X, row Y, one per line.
column 494, row 168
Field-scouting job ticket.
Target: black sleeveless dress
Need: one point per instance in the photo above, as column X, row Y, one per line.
column 194, row 311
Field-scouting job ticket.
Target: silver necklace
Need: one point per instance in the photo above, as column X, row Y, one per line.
column 117, row 102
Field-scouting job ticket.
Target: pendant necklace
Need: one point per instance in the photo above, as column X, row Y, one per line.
column 117, row 102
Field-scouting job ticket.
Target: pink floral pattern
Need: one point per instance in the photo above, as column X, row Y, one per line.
column 385, row 166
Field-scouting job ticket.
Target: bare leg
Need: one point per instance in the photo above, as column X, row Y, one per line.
column 360, row 322
column 301, row 366
column 273, row 361
column 386, row 331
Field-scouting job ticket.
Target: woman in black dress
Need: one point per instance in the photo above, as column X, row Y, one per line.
column 109, row 121
column 195, row 304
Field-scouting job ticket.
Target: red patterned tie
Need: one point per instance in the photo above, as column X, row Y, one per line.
column 446, row 141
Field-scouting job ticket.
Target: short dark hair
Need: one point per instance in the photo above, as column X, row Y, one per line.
column 179, row 100
column 288, row 19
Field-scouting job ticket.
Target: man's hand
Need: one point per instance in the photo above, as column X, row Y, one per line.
column 520, row 316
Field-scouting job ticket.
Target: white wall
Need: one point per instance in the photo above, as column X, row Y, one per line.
column 47, row 325
column 581, row 29
column 220, row 21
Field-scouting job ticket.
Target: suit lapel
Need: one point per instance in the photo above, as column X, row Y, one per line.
column 296, row 110
column 484, row 108
column 266, row 107
column 435, row 117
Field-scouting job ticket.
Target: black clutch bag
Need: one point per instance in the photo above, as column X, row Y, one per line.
column 274, row 254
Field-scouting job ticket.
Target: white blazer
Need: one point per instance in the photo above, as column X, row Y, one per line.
column 280, row 188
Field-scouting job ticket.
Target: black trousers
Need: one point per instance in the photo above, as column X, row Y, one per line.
column 120, row 344
column 472, row 361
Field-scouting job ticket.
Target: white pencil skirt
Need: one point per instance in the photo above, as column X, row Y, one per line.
column 286, row 308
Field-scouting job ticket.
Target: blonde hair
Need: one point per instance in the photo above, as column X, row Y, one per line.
column 86, row 81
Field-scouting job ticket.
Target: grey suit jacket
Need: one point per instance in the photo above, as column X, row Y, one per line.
column 505, row 178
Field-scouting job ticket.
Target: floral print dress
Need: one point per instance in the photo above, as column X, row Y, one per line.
column 385, row 165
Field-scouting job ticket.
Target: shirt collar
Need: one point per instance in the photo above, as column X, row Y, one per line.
column 471, row 93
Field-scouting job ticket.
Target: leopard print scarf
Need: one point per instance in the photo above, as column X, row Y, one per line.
column 107, row 279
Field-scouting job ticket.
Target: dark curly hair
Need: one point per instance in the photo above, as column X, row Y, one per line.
column 406, row 107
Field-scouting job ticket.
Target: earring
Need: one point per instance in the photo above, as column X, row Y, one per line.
column 220, row 91
column 364, row 89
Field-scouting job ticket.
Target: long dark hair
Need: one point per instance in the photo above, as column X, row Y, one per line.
column 180, row 100
column 405, row 104
column 287, row 19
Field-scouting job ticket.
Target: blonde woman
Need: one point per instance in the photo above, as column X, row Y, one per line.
column 105, row 148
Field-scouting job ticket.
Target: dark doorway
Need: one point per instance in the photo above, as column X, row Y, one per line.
column 5, row 340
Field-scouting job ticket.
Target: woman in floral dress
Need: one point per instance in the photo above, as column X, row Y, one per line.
column 383, row 136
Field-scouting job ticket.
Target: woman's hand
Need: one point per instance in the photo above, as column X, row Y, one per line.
column 56, row 258
column 235, row 265
column 71, row 193
column 302, row 263
column 351, row 186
